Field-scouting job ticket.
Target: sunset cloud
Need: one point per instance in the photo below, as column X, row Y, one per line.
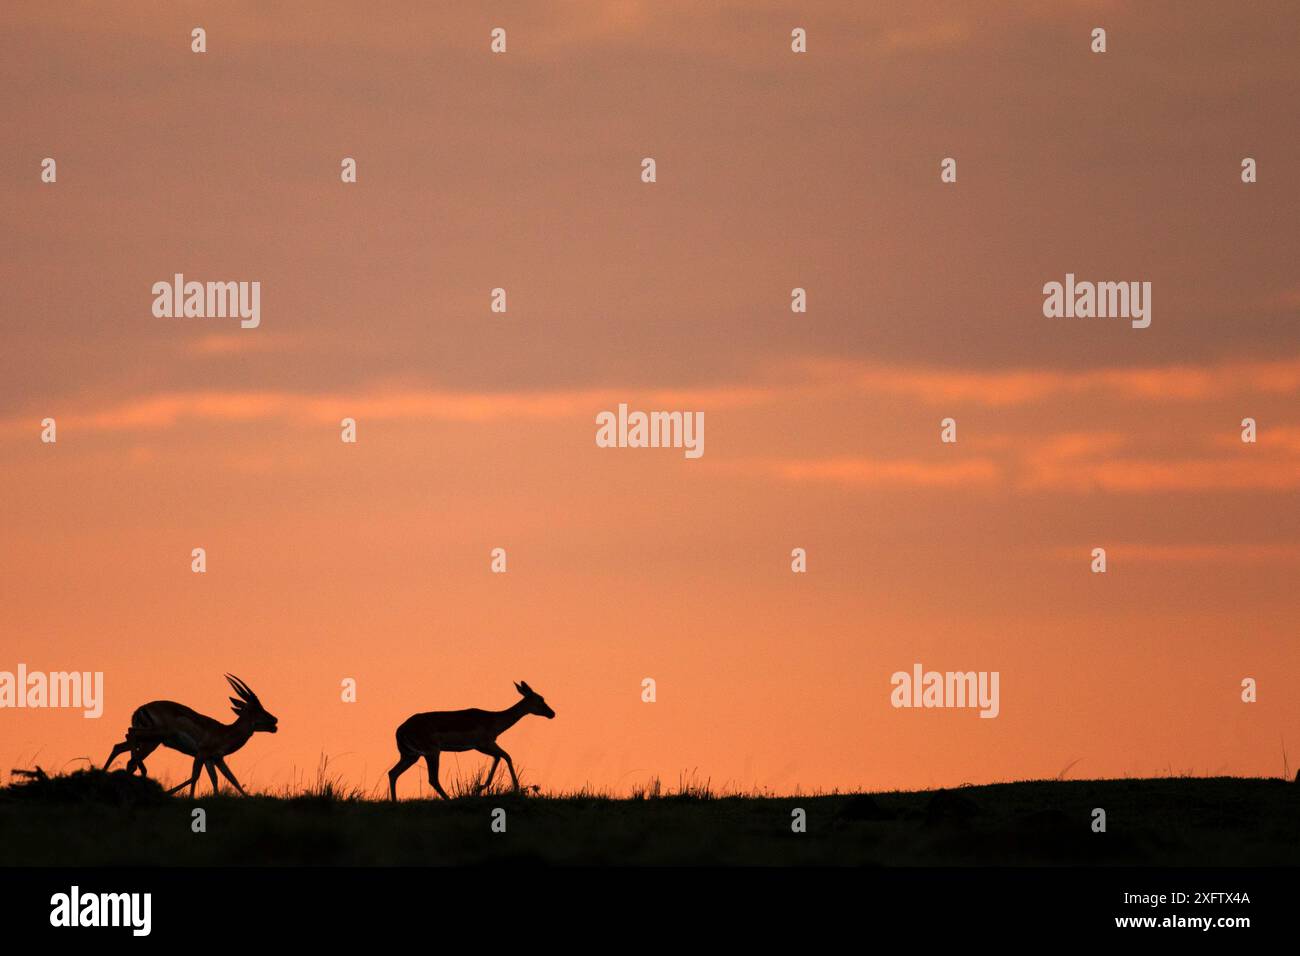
column 1145, row 475
column 864, row 471
column 996, row 388
column 382, row 404
column 1069, row 464
column 233, row 343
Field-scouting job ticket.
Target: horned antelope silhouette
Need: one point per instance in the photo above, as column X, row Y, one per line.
column 428, row 735
column 162, row 723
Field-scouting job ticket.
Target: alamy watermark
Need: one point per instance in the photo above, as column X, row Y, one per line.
column 922, row 688
column 626, row 429
column 37, row 689
column 208, row 300
column 1102, row 300
column 75, row 908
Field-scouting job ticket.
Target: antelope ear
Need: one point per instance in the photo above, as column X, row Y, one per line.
column 519, row 687
column 524, row 688
column 236, row 705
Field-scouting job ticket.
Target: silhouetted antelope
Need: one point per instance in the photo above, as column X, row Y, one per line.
column 167, row 724
column 427, row 735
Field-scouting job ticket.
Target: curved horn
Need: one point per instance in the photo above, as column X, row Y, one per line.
column 242, row 689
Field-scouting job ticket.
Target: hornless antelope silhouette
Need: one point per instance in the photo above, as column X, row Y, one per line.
column 167, row 724
column 427, row 735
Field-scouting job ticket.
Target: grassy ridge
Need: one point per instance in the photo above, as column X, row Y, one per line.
column 91, row 818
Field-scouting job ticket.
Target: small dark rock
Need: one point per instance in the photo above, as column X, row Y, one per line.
column 117, row 788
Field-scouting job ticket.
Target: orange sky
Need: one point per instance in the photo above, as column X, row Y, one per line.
column 477, row 430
